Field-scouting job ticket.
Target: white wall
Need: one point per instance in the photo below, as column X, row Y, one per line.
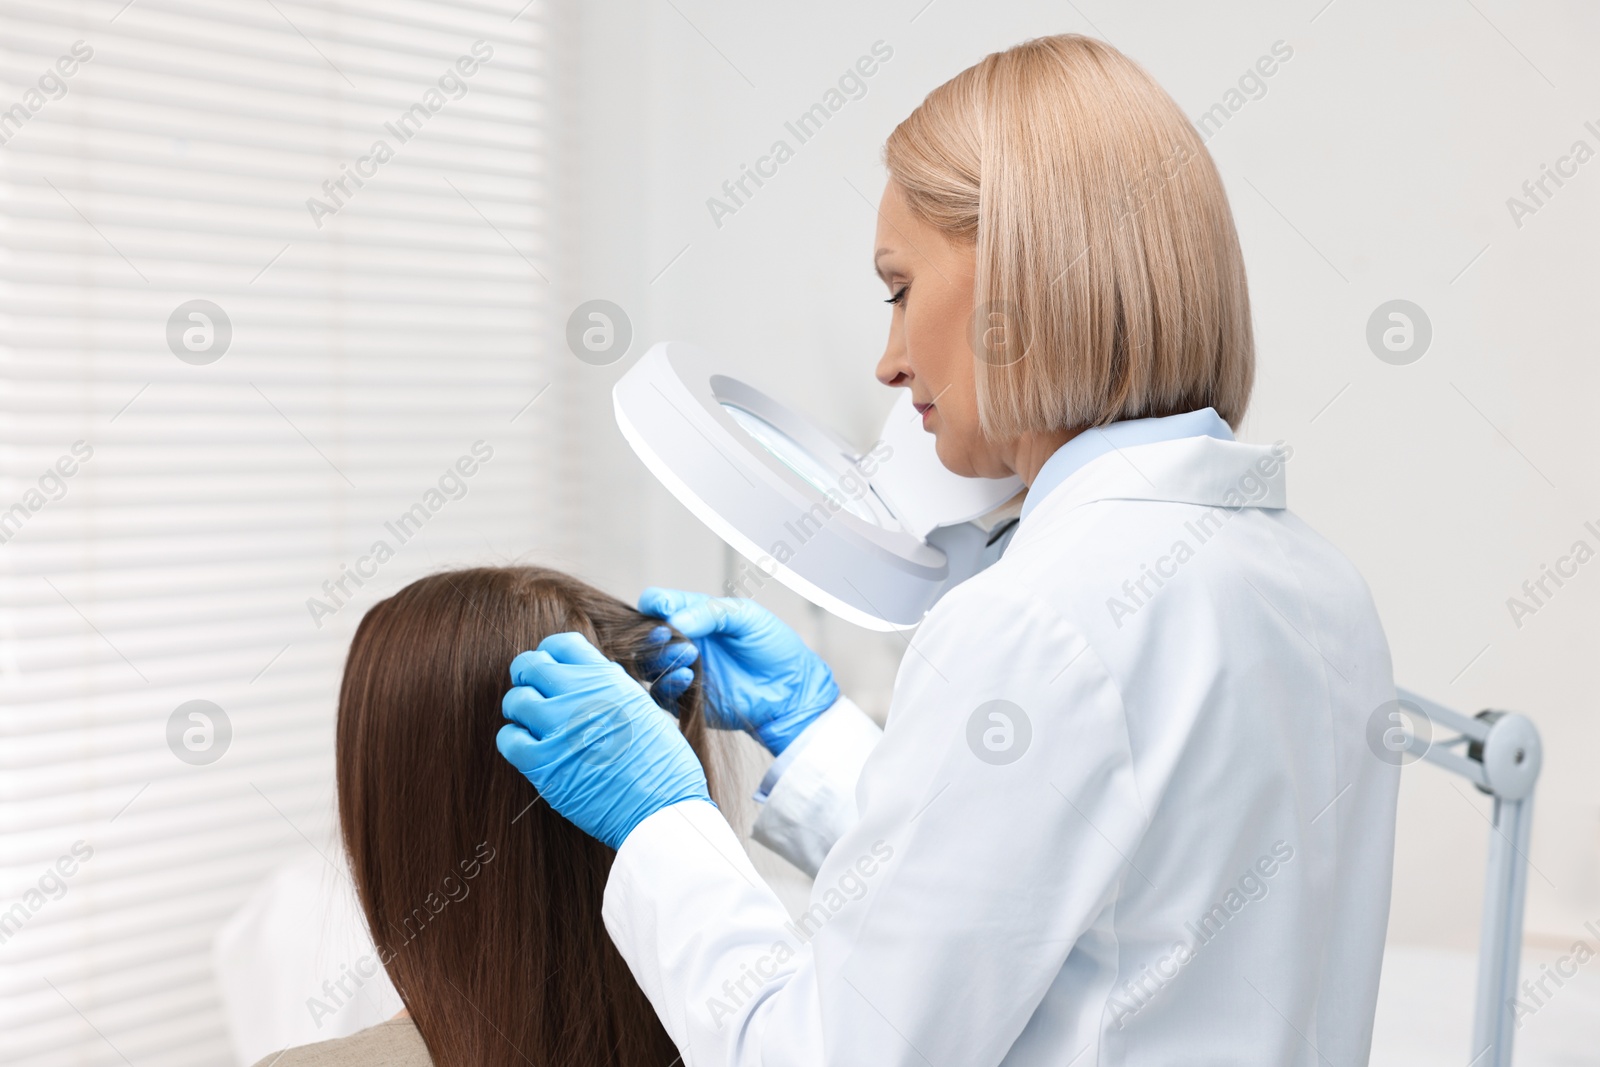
column 1376, row 166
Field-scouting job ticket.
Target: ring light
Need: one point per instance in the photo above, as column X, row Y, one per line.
column 875, row 538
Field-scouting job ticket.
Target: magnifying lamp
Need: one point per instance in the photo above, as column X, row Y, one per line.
column 876, row 538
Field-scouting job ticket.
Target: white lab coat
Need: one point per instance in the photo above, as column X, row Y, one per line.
column 1188, row 863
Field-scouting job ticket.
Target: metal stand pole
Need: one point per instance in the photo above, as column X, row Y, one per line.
column 1504, row 893
column 1502, row 758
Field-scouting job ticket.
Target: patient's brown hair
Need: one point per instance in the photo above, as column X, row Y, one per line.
column 483, row 902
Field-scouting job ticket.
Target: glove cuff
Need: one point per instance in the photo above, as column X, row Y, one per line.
column 777, row 734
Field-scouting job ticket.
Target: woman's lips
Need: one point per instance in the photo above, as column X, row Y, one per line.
column 923, row 409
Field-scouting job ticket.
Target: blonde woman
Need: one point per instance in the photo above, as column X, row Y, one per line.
column 1123, row 810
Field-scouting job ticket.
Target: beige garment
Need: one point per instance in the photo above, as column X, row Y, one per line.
column 1011, row 509
column 392, row 1043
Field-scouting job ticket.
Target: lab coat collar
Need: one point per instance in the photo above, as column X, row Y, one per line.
column 1096, row 441
column 1206, row 470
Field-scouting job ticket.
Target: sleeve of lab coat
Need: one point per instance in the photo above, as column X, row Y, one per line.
column 984, row 849
column 813, row 802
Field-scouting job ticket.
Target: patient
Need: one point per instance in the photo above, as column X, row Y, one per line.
column 484, row 904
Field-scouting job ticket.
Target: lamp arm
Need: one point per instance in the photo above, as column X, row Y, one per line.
column 1503, row 757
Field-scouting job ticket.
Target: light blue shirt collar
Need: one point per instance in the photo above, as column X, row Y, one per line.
column 1096, row 441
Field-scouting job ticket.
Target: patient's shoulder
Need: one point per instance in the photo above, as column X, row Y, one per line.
column 393, row 1043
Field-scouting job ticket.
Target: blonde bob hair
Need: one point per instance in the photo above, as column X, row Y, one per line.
column 1109, row 282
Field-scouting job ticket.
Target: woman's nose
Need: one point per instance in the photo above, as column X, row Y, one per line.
column 892, row 369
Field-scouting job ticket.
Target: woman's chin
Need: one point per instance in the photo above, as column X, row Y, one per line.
column 969, row 459
column 956, row 460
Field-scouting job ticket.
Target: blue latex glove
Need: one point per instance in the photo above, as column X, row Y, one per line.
column 669, row 667
column 760, row 676
column 592, row 741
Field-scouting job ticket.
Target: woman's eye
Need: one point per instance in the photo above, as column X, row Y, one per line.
column 898, row 296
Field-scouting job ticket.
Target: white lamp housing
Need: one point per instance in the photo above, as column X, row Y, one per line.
column 875, row 538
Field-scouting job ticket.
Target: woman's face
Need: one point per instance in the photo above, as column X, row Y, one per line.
column 930, row 282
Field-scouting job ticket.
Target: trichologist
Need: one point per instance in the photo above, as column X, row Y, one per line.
column 1123, row 810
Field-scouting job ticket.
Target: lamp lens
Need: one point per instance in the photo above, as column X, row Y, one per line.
column 846, row 488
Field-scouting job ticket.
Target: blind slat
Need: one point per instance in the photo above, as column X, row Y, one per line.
column 177, row 562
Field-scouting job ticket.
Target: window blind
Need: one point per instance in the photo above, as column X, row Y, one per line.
column 272, row 295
